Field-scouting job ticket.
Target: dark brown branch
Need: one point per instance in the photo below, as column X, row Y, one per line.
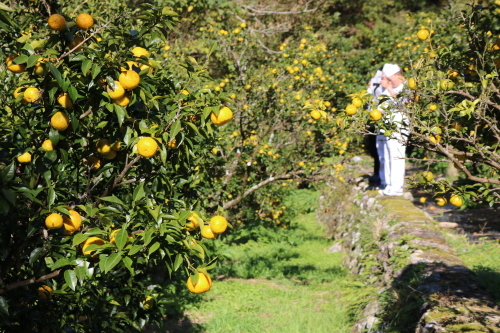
column 240, row 197
column 29, row 281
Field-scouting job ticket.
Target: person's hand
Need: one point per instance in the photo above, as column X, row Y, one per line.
column 385, row 83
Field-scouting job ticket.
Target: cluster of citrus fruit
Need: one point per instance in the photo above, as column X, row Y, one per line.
column 71, row 223
column 216, row 226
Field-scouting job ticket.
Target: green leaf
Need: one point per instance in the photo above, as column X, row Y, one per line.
column 95, row 71
column 193, row 126
column 79, row 238
column 120, row 113
column 113, row 260
column 61, row 263
column 57, row 76
column 51, row 197
column 32, row 60
column 73, row 93
column 178, row 261
column 148, row 236
column 153, row 248
column 168, row 12
column 86, row 66
column 134, row 249
column 4, row 306
column 9, row 195
column 113, row 200
column 22, row 59
column 121, row 239
column 54, row 136
column 81, row 273
column 34, row 255
column 128, row 263
column 71, row 279
column 176, row 127
column 138, row 192
column 8, row 172
column 6, row 8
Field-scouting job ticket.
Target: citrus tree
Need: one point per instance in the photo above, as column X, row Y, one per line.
column 101, row 137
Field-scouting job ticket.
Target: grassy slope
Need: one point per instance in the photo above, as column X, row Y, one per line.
column 482, row 258
column 299, row 288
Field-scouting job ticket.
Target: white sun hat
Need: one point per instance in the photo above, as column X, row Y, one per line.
column 391, row 69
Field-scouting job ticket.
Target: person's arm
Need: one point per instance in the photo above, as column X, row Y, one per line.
column 391, row 91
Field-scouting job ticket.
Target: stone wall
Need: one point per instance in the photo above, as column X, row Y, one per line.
column 424, row 287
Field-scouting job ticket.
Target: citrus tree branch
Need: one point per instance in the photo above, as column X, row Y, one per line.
column 67, row 53
column 29, row 281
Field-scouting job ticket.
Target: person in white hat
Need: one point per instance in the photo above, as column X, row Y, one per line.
column 391, row 149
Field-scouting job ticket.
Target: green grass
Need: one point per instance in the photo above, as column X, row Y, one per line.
column 482, row 258
column 287, row 282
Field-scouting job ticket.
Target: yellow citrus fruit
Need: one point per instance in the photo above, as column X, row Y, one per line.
column 427, row 175
column 116, row 146
column 76, row 42
column 122, row 101
column 40, row 69
column 44, row 292
column 90, row 241
column 94, row 162
column 109, row 155
column 72, row 223
column 17, row 92
column 351, row 109
column 130, row 65
column 357, row 102
column 315, row 114
column 375, row 115
column 206, row 232
column 31, row 94
column 412, row 83
column 129, row 79
column 423, row 34
column 57, row 22
column 59, row 121
column 24, row 158
column 456, row 200
column 203, row 284
column 193, row 222
column 433, row 107
column 441, row 201
column 147, row 147
column 14, row 68
column 225, row 115
column 422, row 199
column 47, row 145
column 301, row 164
column 218, row 224
column 446, row 84
column 103, row 146
column 435, row 138
column 84, row 21
column 140, row 51
column 64, row 100
column 117, row 91
column 112, row 236
column 148, row 303
column 54, row 221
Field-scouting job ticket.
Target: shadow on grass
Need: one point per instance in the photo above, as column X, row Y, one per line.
column 421, row 287
column 179, row 324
